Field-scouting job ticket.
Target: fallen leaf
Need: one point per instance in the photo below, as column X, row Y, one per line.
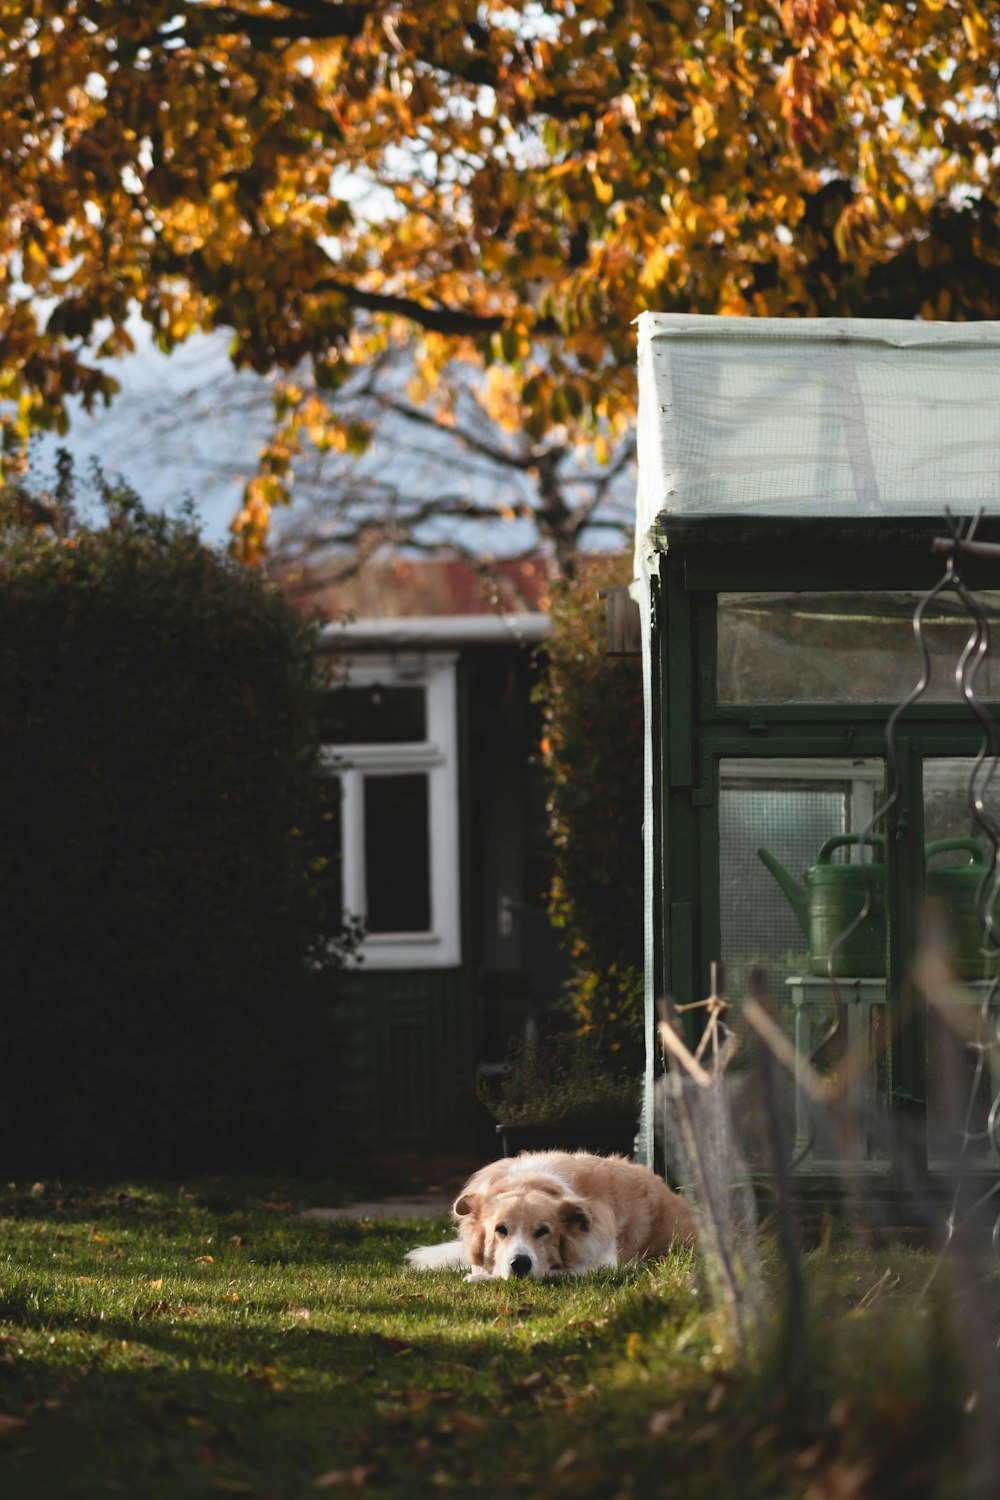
column 841, row 1482
column 10, row 1425
column 465, row 1421
column 809, row 1457
column 344, row 1479
column 208, row 1260
column 841, row 1412
column 662, row 1421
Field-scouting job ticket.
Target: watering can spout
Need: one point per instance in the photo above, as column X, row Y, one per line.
column 798, row 896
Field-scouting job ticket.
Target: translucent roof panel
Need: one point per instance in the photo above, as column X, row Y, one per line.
column 816, row 416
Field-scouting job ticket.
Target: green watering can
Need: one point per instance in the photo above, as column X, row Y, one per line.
column 831, row 899
column 834, row 894
column 954, row 888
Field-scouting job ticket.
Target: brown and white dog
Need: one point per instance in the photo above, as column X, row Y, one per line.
column 546, row 1213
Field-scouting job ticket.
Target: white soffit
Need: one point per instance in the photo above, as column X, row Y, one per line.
column 430, row 632
column 845, row 417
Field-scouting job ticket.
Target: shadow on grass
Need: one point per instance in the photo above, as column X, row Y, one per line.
column 202, row 1410
column 629, row 1403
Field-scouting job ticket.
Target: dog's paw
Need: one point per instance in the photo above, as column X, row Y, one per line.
column 479, row 1276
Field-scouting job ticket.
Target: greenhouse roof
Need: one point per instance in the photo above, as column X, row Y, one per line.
column 823, row 417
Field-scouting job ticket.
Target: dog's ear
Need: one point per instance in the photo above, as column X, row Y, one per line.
column 574, row 1214
column 475, row 1240
column 468, row 1203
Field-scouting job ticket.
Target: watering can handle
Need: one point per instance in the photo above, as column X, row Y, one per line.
column 970, row 846
column 840, row 839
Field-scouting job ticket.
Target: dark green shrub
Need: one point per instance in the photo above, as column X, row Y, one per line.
column 592, row 705
column 552, row 1080
column 168, row 984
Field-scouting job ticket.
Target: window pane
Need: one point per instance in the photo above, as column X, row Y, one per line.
column 375, row 715
column 397, row 853
column 962, row 1071
column 842, row 648
column 790, row 887
column 759, row 925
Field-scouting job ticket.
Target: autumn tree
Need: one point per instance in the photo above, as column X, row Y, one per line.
column 495, row 182
column 458, row 472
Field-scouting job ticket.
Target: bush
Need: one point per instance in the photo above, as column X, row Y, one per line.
column 164, row 912
column 560, row 1079
column 593, row 714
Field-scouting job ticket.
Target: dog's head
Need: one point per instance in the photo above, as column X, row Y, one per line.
column 522, row 1230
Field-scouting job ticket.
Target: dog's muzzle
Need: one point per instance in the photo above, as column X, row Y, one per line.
column 520, row 1265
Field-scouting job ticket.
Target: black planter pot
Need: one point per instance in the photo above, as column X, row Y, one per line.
column 602, row 1137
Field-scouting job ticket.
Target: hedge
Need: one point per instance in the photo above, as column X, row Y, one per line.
column 168, row 955
column 593, row 714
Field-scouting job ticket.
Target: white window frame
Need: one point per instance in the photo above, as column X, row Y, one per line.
column 437, row 755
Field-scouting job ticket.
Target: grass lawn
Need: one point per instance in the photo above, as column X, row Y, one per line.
column 203, row 1341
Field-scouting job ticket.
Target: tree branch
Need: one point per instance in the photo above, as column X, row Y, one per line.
column 314, row 19
column 500, row 456
column 321, row 20
column 449, row 320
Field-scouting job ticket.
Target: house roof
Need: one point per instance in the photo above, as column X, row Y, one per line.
column 825, row 417
column 401, row 588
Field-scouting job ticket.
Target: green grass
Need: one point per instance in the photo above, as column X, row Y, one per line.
column 162, row 1342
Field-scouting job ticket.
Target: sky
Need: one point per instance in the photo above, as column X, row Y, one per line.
column 183, row 425
column 187, row 426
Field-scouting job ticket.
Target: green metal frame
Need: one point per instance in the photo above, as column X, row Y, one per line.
column 695, row 733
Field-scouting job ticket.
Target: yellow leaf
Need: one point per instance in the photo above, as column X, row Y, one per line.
column 975, row 29
column 603, row 191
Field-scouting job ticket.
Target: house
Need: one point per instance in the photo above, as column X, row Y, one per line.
column 433, row 735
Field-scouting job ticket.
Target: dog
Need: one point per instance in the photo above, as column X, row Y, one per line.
column 550, row 1213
